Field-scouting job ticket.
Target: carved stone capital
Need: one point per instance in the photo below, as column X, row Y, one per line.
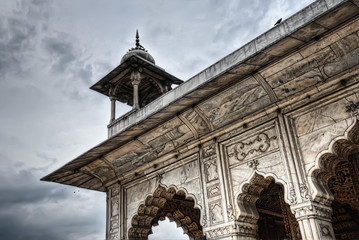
column 312, row 210
column 233, row 229
column 136, row 77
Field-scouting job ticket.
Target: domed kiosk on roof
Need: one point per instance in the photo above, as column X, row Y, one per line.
column 137, row 81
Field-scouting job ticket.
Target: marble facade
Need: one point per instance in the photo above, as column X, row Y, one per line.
column 264, row 134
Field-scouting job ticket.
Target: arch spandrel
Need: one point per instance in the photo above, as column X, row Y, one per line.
column 186, row 177
column 167, row 201
column 320, row 126
column 325, row 162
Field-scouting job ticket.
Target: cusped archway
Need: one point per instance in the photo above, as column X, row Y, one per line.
column 170, row 202
column 326, row 162
column 335, row 181
column 263, row 210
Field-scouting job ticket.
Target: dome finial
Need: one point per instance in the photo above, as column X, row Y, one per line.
column 137, row 39
column 138, row 45
column 138, row 50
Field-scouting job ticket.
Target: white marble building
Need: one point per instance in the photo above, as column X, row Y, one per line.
column 263, row 144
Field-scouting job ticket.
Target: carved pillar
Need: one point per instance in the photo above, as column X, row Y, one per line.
column 219, row 222
column 291, row 162
column 113, row 228
column 113, row 109
column 136, row 80
column 111, row 93
column 314, row 220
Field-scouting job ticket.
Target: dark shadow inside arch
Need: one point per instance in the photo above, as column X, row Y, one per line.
column 265, row 212
column 345, row 187
column 275, row 218
column 170, row 203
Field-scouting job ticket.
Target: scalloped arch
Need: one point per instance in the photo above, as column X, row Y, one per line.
column 172, row 202
column 339, row 149
column 248, row 196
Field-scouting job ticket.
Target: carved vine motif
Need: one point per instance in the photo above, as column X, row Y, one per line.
column 253, row 164
column 260, row 143
column 304, row 192
column 158, row 178
column 353, row 108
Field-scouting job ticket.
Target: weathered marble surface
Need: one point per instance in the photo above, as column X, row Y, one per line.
column 268, row 111
column 240, row 100
column 321, row 126
column 271, row 163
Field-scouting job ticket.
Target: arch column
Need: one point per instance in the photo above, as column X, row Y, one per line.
column 114, row 213
column 314, row 220
column 135, row 81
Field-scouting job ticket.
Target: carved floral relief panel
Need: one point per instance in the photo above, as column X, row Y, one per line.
column 213, row 191
column 114, row 209
column 243, row 149
column 216, row 213
column 210, row 168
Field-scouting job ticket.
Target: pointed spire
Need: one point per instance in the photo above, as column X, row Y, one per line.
column 137, row 39
column 138, row 45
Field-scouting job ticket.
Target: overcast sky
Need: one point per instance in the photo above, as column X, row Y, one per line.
column 51, row 52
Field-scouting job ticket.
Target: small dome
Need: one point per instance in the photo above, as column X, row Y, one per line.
column 139, row 50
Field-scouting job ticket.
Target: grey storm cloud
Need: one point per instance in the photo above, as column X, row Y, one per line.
column 51, row 52
column 61, row 51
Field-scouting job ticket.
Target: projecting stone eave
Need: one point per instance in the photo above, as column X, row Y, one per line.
column 122, row 69
column 299, row 30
